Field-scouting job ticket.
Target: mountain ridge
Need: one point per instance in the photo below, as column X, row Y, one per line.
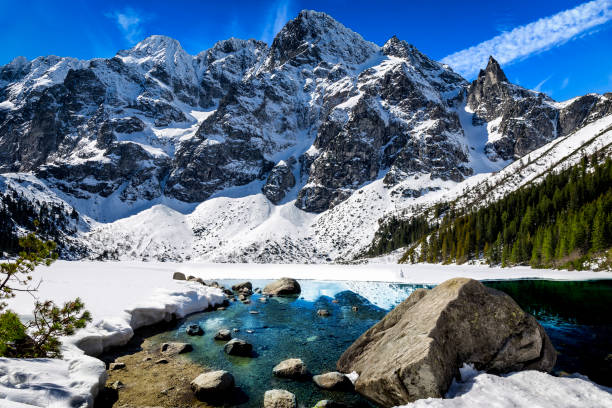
column 310, row 121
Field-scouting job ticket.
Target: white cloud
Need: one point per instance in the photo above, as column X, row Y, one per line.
column 277, row 19
column 565, row 83
column 532, row 38
column 538, row 87
column 130, row 23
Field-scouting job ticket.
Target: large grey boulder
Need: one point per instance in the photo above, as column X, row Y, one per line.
column 417, row 349
column 292, row 368
column 279, row 399
column 212, row 384
column 282, row 287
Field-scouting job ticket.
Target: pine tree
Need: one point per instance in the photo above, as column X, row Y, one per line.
column 598, row 235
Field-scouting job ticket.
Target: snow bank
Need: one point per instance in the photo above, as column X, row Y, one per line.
column 522, row 389
column 121, row 299
column 413, row 273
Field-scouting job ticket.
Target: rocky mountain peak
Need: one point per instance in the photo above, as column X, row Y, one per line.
column 493, row 73
column 156, row 50
column 14, row 69
column 397, row 48
column 314, row 36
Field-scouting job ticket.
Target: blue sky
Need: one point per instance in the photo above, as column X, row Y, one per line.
column 561, row 47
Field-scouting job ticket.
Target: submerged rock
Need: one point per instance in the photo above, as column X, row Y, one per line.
column 333, row 381
column 417, row 349
column 238, row 347
column 329, row 404
column 293, row 368
column 282, row 287
column 176, row 348
column 279, row 399
column 223, row 334
column 194, row 330
column 210, row 385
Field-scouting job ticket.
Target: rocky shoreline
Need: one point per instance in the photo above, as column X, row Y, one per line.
column 414, row 352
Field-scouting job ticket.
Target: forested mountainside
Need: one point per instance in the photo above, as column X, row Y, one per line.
column 563, row 220
column 247, row 152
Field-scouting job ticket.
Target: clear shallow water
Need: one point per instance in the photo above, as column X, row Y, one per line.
column 576, row 315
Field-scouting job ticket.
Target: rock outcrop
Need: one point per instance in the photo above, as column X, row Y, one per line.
column 417, row 349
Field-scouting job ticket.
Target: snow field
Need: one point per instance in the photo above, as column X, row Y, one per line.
column 121, row 298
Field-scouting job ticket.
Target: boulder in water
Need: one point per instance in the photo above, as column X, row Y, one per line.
column 238, row 347
column 212, row 385
column 223, row 334
column 418, row 348
column 279, row 399
column 282, row 287
column 293, row 368
column 194, row 330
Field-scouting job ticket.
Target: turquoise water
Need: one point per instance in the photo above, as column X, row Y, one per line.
column 575, row 315
column 578, row 319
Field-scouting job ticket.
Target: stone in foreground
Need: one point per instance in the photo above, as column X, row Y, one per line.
column 283, row 287
column 176, row 348
column 210, row 385
column 238, row 347
column 333, row 381
column 417, row 349
column 293, row 368
column 279, row 399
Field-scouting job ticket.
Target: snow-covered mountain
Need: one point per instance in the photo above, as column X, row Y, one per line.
column 244, row 152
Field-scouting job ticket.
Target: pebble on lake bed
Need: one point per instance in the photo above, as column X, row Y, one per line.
column 116, row 366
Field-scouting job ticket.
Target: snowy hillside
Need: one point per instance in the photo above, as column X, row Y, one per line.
column 247, row 152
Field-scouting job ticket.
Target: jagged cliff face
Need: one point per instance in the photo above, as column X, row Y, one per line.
column 520, row 120
column 312, row 118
